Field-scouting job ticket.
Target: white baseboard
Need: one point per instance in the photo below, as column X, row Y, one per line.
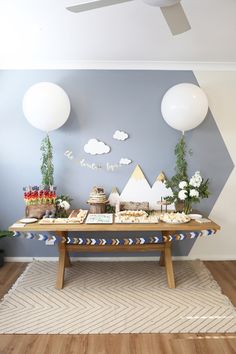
column 122, row 259
column 214, row 257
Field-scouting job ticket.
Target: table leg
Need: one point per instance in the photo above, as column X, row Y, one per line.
column 169, row 265
column 61, row 266
column 64, row 261
column 67, row 260
column 162, row 259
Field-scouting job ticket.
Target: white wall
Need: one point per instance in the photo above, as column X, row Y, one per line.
column 221, row 90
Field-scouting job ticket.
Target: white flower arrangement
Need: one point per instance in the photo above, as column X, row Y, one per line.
column 194, row 193
column 183, row 184
column 64, row 204
column 182, row 194
column 196, row 180
column 191, row 191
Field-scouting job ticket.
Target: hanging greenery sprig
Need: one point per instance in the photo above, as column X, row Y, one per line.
column 181, row 163
column 186, row 191
column 181, row 168
column 47, row 168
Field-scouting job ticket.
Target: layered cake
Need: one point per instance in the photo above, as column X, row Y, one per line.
column 97, row 195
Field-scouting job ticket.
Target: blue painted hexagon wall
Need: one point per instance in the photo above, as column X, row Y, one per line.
column 102, row 102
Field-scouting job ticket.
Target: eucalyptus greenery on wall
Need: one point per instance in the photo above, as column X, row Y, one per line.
column 186, row 191
column 47, row 168
column 181, row 166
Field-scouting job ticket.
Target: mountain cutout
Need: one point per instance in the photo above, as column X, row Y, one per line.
column 158, row 192
column 138, row 189
column 114, row 197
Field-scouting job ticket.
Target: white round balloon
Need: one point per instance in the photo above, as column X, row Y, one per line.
column 184, row 106
column 46, row 106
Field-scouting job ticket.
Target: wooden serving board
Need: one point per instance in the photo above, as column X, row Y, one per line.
column 54, row 221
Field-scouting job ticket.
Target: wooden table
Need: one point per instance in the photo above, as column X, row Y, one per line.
column 165, row 248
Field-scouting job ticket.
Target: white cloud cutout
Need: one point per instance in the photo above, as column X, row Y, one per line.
column 96, row 147
column 120, row 135
column 124, row 161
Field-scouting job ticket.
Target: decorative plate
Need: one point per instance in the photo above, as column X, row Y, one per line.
column 175, row 218
column 176, row 222
column 195, row 216
column 28, row 220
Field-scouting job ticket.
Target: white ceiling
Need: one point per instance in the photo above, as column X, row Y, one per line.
column 40, row 33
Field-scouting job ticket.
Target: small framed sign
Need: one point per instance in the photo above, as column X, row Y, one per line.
column 99, row 219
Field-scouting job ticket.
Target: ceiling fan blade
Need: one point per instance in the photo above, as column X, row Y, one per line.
column 85, row 5
column 176, row 18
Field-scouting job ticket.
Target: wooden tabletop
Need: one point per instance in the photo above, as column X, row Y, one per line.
column 161, row 226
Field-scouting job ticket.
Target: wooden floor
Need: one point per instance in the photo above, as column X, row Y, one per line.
column 223, row 272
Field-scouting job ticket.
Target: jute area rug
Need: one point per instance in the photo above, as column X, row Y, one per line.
column 117, row 297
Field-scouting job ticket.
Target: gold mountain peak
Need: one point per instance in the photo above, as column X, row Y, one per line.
column 161, row 177
column 138, row 173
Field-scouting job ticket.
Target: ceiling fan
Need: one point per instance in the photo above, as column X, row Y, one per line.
column 172, row 11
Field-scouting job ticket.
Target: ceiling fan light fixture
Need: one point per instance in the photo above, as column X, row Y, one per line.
column 172, row 11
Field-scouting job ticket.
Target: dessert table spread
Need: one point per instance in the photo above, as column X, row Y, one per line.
column 69, row 239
